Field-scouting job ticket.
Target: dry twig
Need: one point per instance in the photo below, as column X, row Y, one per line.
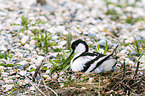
column 38, row 68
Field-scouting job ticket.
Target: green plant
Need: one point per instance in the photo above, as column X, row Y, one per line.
column 98, row 47
column 136, row 46
column 69, row 39
column 43, row 41
column 57, row 65
column 105, row 50
column 3, row 56
column 111, row 12
column 25, row 22
column 129, row 20
column 116, row 16
column 9, row 65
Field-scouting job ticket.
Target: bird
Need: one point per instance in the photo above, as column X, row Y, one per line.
column 87, row 62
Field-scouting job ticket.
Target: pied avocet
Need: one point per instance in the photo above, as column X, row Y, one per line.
column 87, row 62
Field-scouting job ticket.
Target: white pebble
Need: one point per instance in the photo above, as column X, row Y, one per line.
column 24, row 39
column 32, row 88
column 7, row 87
column 23, row 73
column 3, row 48
column 32, row 42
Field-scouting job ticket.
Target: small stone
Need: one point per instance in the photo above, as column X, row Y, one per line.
column 133, row 53
column 5, row 74
column 65, row 32
column 61, row 43
column 128, row 61
column 22, row 62
column 32, row 88
column 47, row 71
column 90, row 80
column 83, row 88
column 101, row 51
column 32, row 42
column 40, row 58
column 28, row 32
column 103, row 43
column 46, row 76
column 24, row 39
column 22, row 73
column 13, row 73
column 20, row 83
column 54, row 37
column 122, row 53
column 27, row 46
column 48, row 8
column 9, row 81
column 8, row 87
column 73, row 77
column 60, row 29
column 129, row 40
column 3, row 48
column 54, row 75
column 61, row 85
column 2, row 82
column 21, row 34
column 129, row 8
column 27, row 81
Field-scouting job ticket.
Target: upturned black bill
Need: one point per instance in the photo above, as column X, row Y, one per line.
column 67, row 58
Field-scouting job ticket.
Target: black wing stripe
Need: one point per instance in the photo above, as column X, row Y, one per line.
column 89, row 54
column 88, row 64
column 100, row 62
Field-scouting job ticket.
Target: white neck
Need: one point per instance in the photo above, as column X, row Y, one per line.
column 80, row 49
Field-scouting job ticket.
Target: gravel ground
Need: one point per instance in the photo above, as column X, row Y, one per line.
column 24, row 25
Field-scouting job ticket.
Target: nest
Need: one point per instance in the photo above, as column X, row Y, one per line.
column 126, row 81
column 123, row 81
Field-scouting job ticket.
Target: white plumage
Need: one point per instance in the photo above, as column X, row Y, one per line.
column 79, row 63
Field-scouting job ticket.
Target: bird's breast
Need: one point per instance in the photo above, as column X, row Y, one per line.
column 80, row 63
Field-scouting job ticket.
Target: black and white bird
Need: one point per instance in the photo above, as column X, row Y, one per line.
column 87, row 62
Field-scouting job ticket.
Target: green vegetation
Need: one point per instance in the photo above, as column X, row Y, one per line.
column 25, row 22
column 4, row 55
column 9, row 65
column 136, row 46
column 105, row 49
column 115, row 16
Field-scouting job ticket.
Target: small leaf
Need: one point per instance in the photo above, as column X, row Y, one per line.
column 66, row 67
column 106, row 48
column 51, row 62
column 46, row 47
column 44, row 68
column 69, row 39
column 98, row 47
column 140, row 56
column 10, row 65
column 32, row 70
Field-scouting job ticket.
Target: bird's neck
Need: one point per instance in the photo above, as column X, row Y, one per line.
column 77, row 54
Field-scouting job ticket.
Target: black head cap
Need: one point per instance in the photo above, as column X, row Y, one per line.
column 77, row 42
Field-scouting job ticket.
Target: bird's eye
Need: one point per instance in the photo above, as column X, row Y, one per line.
column 74, row 46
